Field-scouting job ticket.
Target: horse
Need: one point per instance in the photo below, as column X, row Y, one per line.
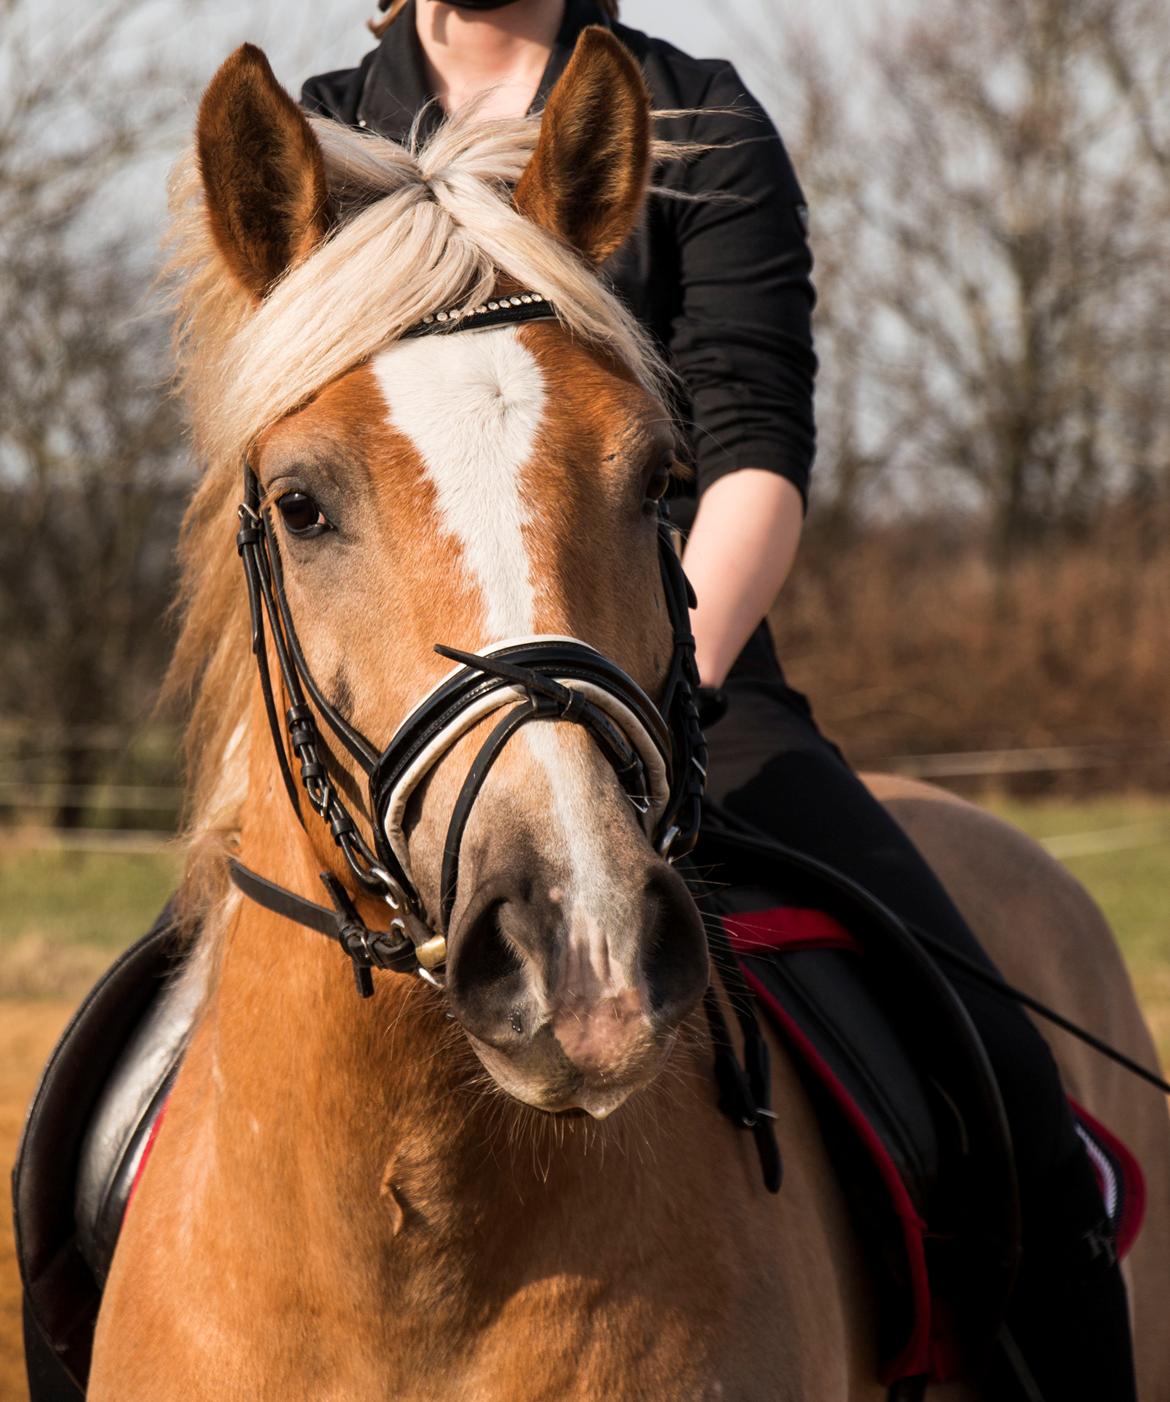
column 517, row 1186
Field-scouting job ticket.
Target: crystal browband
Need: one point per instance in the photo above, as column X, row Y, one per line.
column 522, row 306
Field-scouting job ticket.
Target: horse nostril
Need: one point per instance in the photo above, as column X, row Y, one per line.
column 487, row 979
column 674, row 961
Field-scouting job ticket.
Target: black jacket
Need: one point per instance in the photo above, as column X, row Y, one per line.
column 724, row 285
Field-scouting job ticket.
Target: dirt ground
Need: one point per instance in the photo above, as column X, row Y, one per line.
column 27, row 1033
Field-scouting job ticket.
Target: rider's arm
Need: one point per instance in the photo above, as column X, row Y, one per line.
column 740, row 550
column 743, row 347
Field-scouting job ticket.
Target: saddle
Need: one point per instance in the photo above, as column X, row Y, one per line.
column 908, row 1107
column 83, row 1140
column 906, row 1098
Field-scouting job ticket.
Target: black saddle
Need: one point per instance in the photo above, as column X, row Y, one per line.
column 909, row 1109
column 83, row 1139
column 903, row 1088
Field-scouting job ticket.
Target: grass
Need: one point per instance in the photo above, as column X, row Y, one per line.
column 1129, row 879
column 90, row 898
column 95, row 903
column 1130, row 882
column 64, row 914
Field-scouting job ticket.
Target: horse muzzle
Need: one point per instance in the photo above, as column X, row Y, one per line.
column 569, row 1007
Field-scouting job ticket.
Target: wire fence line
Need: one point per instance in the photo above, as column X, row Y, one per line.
column 1054, row 759
column 148, row 842
column 25, row 803
column 1128, row 838
column 138, row 842
column 94, row 737
column 159, row 798
column 137, row 809
column 35, row 791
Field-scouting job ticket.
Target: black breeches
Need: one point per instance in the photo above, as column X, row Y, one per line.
column 771, row 766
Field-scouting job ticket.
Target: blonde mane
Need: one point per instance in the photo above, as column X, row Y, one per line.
column 421, row 227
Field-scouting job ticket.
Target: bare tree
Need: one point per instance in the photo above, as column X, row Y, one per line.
column 990, row 210
column 89, row 442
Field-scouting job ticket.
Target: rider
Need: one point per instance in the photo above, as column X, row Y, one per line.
column 725, row 287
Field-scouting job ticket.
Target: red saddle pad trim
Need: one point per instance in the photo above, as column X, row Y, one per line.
column 146, row 1150
column 787, row 928
column 1133, row 1180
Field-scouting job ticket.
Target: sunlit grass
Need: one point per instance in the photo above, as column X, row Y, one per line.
column 64, row 915
column 1131, row 883
column 94, row 898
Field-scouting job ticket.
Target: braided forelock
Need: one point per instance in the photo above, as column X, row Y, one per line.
column 429, row 226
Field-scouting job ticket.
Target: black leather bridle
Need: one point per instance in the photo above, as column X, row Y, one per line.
column 657, row 751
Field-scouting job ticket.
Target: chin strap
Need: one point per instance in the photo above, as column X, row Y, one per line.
column 367, row 949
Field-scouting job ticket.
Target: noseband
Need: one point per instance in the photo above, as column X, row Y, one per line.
column 657, row 751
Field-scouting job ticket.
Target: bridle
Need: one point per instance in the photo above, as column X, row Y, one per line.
column 657, row 751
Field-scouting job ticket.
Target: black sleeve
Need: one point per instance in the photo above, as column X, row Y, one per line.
column 742, row 339
column 337, row 94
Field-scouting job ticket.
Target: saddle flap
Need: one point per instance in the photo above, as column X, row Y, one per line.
column 820, row 985
column 61, row 1293
column 908, row 1105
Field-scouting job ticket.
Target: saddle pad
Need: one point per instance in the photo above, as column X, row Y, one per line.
column 880, row 1119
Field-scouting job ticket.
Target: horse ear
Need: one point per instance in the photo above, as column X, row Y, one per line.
column 587, row 177
column 263, row 172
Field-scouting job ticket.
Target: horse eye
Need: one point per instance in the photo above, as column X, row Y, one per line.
column 658, row 483
column 301, row 514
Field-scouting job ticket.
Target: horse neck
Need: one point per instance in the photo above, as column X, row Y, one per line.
column 285, row 998
column 378, row 1114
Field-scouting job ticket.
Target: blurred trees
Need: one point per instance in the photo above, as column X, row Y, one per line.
column 990, row 204
column 89, row 442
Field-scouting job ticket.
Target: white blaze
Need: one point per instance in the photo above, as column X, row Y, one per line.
column 472, row 404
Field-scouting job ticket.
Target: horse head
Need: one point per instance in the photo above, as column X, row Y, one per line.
column 465, row 490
